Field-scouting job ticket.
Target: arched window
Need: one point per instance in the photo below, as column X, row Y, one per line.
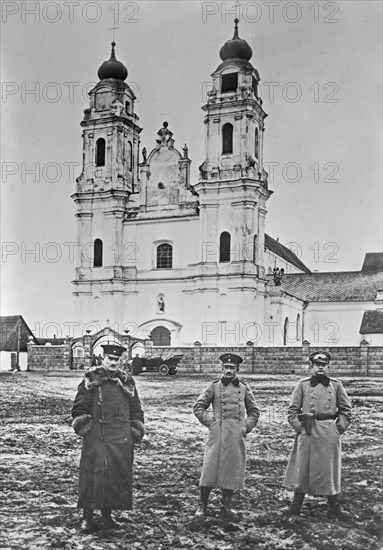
column 255, row 250
column 256, row 143
column 164, row 256
column 227, row 139
column 129, row 158
column 298, row 328
column 285, row 327
column 127, row 107
column 160, row 336
column 224, row 247
column 97, row 253
column 100, row 152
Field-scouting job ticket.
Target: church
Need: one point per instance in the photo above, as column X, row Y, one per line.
column 182, row 261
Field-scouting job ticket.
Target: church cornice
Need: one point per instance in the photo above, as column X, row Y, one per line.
column 90, row 196
column 219, row 185
column 106, row 122
column 161, row 217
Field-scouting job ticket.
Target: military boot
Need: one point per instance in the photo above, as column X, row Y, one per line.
column 335, row 508
column 109, row 522
column 87, row 525
column 204, row 496
column 227, row 497
column 294, row 509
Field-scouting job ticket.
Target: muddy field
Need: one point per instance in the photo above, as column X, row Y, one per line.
column 40, row 458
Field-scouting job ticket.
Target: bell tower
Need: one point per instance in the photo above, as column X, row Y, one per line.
column 109, row 177
column 233, row 186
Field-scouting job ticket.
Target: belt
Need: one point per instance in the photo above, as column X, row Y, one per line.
column 325, row 416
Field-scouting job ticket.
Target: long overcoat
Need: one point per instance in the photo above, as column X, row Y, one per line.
column 105, row 479
column 314, row 466
column 234, row 414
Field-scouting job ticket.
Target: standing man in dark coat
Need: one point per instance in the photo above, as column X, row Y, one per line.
column 320, row 412
column 108, row 415
column 234, row 414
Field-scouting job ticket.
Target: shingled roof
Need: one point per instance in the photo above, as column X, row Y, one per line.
column 372, row 322
column 283, row 252
column 9, row 333
column 338, row 286
column 373, row 261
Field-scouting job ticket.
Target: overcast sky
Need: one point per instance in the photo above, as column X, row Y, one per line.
column 320, row 67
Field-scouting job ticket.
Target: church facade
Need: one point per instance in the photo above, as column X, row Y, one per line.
column 180, row 260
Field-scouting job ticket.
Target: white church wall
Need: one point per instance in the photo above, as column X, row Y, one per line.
column 335, row 323
column 284, row 326
column 141, row 239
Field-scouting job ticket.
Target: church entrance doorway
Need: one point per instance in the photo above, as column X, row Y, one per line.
column 160, row 336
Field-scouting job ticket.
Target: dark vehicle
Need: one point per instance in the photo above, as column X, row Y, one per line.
column 164, row 363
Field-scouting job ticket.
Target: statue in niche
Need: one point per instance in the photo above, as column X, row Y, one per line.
column 144, row 154
column 161, row 304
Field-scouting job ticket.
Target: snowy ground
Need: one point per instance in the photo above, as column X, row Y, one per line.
column 40, row 457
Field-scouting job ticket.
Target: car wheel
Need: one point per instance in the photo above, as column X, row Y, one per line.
column 163, row 369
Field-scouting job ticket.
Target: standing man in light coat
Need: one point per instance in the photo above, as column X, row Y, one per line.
column 234, row 414
column 320, row 412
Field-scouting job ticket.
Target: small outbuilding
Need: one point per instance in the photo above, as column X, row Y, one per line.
column 14, row 337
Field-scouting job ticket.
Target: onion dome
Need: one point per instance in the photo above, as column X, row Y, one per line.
column 112, row 68
column 236, row 48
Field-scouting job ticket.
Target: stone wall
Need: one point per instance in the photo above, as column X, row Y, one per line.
column 361, row 360
column 49, row 358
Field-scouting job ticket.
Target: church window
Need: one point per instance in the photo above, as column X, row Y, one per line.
column 127, row 107
column 256, row 143
column 285, row 327
column 100, row 152
column 130, row 156
column 164, row 256
column 97, row 253
column 224, row 247
column 227, row 139
column 229, row 82
column 160, row 336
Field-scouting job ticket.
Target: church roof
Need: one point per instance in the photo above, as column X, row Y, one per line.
column 9, row 333
column 283, row 252
column 373, row 261
column 112, row 68
column 236, row 48
column 337, row 286
column 372, row 322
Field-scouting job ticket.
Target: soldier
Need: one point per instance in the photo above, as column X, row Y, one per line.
column 320, row 412
column 234, row 414
column 107, row 413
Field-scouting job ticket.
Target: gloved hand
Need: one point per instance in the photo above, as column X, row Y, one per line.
column 138, row 430
column 82, row 424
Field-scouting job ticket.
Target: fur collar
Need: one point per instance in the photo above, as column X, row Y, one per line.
column 96, row 376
